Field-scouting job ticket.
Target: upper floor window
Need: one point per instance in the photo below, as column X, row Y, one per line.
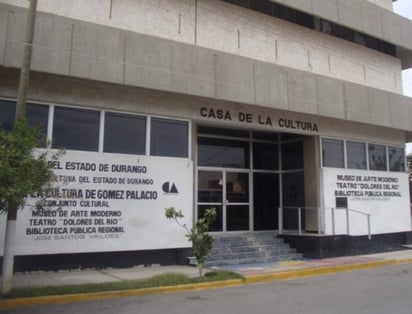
column 76, row 129
column 332, row 153
column 169, row 138
column 377, row 157
column 124, row 133
column 359, row 155
column 396, row 158
column 287, row 13
column 36, row 115
column 356, row 155
column 226, row 153
column 8, row 110
column 80, row 129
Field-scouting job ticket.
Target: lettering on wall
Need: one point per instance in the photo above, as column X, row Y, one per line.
column 263, row 120
column 367, row 187
column 89, row 200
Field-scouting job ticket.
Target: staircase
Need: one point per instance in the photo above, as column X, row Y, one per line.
column 248, row 248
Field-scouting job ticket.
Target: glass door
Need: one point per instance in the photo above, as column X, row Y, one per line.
column 228, row 193
column 237, row 201
column 210, row 195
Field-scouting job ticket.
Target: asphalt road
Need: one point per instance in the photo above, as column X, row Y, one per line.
column 381, row 290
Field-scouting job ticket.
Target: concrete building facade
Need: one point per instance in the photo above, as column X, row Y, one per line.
column 286, row 116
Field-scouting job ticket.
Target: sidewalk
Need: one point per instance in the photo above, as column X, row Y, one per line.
column 77, row 277
column 252, row 272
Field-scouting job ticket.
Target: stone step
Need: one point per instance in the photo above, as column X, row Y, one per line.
column 250, row 260
column 253, row 250
column 249, row 248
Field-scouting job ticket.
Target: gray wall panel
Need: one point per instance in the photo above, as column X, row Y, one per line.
column 271, row 86
column 406, row 32
column 234, row 78
column 399, row 112
column 328, row 9
column 357, row 103
column 350, row 13
column 391, row 26
column 380, row 112
column 52, row 45
column 193, row 70
column 15, row 38
column 3, row 33
column 148, row 62
column 301, row 4
column 371, row 19
column 97, row 53
column 302, row 92
column 330, row 98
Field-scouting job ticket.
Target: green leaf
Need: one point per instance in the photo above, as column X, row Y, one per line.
column 23, row 169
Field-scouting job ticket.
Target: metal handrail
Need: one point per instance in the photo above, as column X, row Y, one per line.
column 318, row 209
column 280, row 218
column 368, row 217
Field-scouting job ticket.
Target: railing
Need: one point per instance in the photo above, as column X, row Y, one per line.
column 319, row 220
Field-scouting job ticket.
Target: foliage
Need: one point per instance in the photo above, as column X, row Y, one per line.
column 23, row 171
column 164, row 280
column 201, row 241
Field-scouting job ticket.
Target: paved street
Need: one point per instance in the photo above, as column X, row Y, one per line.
column 381, row 290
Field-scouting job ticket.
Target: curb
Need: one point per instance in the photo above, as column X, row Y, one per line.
column 326, row 270
column 250, row 279
column 62, row 299
column 316, row 271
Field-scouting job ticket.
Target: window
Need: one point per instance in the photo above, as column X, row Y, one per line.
column 169, row 138
column 377, row 157
column 210, row 186
column 356, row 155
column 292, row 155
column 8, row 110
column 222, row 132
column 262, row 6
column 287, row 13
column 125, row 134
column 76, row 129
column 36, row 115
column 265, row 156
column 242, row 3
column 396, row 159
column 332, row 153
column 223, row 153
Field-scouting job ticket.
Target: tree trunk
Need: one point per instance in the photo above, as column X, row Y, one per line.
column 26, row 63
column 8, row 257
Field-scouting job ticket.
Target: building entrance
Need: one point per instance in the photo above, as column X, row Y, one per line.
column 246, row 176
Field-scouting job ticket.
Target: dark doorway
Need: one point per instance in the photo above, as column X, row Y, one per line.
column 247, row 176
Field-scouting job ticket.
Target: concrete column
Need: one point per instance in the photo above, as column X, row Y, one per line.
column 312, row 181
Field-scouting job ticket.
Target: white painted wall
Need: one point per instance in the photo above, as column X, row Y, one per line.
column 388, row 212
column 143, row 220
column 225, row 27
